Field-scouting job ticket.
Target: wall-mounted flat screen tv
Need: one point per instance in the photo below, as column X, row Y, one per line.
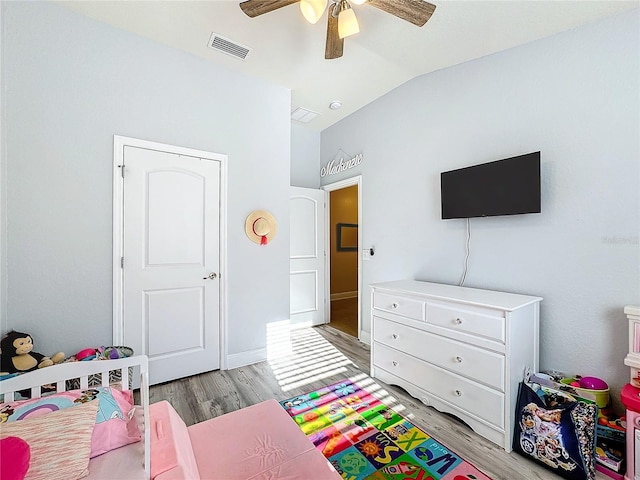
column 505, row 187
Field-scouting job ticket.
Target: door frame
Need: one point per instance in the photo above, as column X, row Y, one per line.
column 119, row 142
column 347, row 182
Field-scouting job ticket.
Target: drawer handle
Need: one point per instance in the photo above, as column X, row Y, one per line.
column 395, row 305
column 458, row 393
column 458, row 321
column 458, row 359
column 394, row 336
column 395, row 364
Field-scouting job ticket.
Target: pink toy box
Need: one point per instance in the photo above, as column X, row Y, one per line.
column 630, row 394
column 630, row 397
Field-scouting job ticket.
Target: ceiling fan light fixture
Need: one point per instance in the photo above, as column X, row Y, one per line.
column 312, row 10
column 347, row 21
column 358, row 2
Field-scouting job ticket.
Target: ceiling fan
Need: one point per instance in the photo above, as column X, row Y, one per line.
column 342, row 20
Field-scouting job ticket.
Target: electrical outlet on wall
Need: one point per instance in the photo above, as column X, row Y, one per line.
column 366, row 254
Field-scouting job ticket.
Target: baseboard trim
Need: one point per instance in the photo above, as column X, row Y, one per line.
column 242, row 359
column 344, row 295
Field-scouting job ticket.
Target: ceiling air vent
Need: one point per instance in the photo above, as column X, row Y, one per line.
column 229, row 47
column 303, row 115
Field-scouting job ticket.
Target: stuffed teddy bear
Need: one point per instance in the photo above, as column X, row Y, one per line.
column 17, row 355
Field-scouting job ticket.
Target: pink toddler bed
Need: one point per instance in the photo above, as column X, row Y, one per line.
column 256, row 442
column 259, row 442
column 93, row 432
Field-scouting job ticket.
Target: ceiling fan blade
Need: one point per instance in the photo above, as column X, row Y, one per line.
column 414, row 11
column 253, row 8
column 335, row 44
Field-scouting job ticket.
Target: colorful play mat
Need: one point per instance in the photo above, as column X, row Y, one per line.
column 365, row 439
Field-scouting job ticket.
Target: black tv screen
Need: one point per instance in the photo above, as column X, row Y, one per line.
column 504, row 187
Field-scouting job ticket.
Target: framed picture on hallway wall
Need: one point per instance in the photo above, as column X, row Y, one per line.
column 347, row 237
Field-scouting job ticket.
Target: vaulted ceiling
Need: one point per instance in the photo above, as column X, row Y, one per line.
column 286, row 50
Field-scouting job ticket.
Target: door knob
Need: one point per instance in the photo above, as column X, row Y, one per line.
column 212, row 276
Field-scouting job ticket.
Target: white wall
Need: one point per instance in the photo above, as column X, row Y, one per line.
column 574, row 97
column 305, row 157
column 69, row 84
column 3, row 202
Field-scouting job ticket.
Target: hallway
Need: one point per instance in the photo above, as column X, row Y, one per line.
column 344, row 315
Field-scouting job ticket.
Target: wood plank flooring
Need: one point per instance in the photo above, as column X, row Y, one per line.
column 344, row 315
column 311, row 358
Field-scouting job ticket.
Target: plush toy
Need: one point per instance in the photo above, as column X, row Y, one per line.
column 104, row 353
column 17, row 355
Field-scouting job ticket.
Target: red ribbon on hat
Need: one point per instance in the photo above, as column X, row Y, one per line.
column 263, row 238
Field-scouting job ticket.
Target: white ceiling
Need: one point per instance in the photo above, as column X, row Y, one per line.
column 288, row 51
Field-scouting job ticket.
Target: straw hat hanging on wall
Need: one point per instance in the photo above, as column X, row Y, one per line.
column 261, row 226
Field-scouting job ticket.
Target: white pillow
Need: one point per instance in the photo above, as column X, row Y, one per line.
column 60, row 442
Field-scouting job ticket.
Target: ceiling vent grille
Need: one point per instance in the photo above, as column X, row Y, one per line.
column 229, row 47
column 303, row 115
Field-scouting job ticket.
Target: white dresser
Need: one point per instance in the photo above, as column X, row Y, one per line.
column 461, row 350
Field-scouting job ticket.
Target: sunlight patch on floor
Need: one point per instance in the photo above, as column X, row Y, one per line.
column 279, row 339
column 301, row 356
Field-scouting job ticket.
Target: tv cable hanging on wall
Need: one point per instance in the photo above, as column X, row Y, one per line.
column 466, row 258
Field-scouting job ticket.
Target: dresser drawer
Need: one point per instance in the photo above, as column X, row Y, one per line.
column 399, row 305
column 480, row 401
column 475, row 322
column 472, row 362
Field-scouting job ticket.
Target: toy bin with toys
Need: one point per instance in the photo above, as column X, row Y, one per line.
column 555, row 428
column 611, row 444
column 588, row 387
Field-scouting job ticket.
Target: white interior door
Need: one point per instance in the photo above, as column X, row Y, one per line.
column 307, row 256
column 171, row 261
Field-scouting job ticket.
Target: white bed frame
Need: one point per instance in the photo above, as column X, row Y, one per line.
column 59, row 374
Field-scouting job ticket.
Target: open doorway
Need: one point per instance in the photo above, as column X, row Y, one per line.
column 344, row 233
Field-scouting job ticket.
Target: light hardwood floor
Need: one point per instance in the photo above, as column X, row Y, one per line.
column 310, row 358
column 344, row 315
